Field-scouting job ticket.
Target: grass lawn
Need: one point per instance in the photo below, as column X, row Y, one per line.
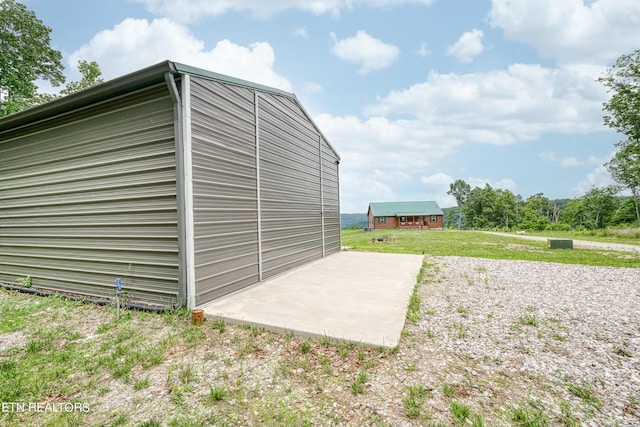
column 483, row 245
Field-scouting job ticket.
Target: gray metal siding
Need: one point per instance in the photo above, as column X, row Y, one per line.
column 290, row 186
column 90, row 196
column 224, row 188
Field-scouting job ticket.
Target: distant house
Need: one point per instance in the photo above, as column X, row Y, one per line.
column 405, row 215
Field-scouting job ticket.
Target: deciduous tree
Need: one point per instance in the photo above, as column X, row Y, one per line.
column 25, row 56
column 460, row 190
column 622, row 80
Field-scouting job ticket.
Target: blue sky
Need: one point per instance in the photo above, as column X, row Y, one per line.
column 413, row 94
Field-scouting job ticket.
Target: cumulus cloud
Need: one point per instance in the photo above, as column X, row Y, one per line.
column 468, row 46
column 370, row 53
column 386, row 155
column 571, row 31
column 137, row 43
column 191, row 10
column 502, row 106
column 599, row 177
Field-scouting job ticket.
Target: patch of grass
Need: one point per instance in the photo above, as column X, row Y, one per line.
column 217, row 394
column 358, row 385
column 476, row 244
column 585, row 393
column 153, row 422
column 528, row 319
column 413, row 313
column 305, row 347
column 528, row 416
column 448, row 390
column 414, row 401
column 460, row 412
column 566, row 415
column 141, row 384
column 463, row 309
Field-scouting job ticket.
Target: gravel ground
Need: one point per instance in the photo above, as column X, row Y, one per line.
column 561, row 339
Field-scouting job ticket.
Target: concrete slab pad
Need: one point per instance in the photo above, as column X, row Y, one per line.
column 351, row 296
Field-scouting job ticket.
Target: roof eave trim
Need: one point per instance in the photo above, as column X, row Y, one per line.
column 108, row 89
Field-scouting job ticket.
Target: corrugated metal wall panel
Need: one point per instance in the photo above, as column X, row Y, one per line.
column 224, row 187
column 90, row 196
column 290, row 185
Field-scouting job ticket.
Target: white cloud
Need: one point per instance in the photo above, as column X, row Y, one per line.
column 468, row 46
column 572, row 161
column 136, row 43
column 599, row 177
column 423, row 50
column 383, row 160
column 571, row 31
column 191, row 10
column 503, row 106
column 312, row 87
column 436, row 187
column 370, row 53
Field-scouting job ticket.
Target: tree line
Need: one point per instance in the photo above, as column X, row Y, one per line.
column 489, row 208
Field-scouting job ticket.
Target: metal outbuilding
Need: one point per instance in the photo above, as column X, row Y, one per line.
column 185, row 184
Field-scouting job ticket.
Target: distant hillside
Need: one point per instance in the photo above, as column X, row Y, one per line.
column 353, row 220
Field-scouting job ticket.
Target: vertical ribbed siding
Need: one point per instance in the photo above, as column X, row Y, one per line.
column 224, row 187
column 290, row 186
column 330, row 198
column 91, row 196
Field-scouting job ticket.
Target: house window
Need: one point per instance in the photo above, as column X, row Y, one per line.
column 434, row 218
column 382, row 220
column 403, row 219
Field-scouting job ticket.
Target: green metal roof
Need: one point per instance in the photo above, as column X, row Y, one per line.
column 405, row 208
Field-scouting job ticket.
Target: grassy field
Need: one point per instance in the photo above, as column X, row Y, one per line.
column 483, row 245
column 148, row 370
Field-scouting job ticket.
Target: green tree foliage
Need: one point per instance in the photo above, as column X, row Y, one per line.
column 490, row 208
column 460, row 190
column 25, row 56
column 600, row 205
column 622, row 80
column 623, row 108
column 91, row 76
column 624, row 168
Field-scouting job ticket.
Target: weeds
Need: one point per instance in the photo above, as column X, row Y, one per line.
column 414, row 401
column 585, row 393
column 358, row 385
column 217, row 394
column 529, row 416
column 413, row 313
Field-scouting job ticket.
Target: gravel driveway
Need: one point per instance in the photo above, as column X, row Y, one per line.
column 560, row 341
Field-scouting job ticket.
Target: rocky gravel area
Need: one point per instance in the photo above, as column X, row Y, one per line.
column 560, row 341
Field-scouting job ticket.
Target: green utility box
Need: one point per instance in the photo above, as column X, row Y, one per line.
column 560, row 243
